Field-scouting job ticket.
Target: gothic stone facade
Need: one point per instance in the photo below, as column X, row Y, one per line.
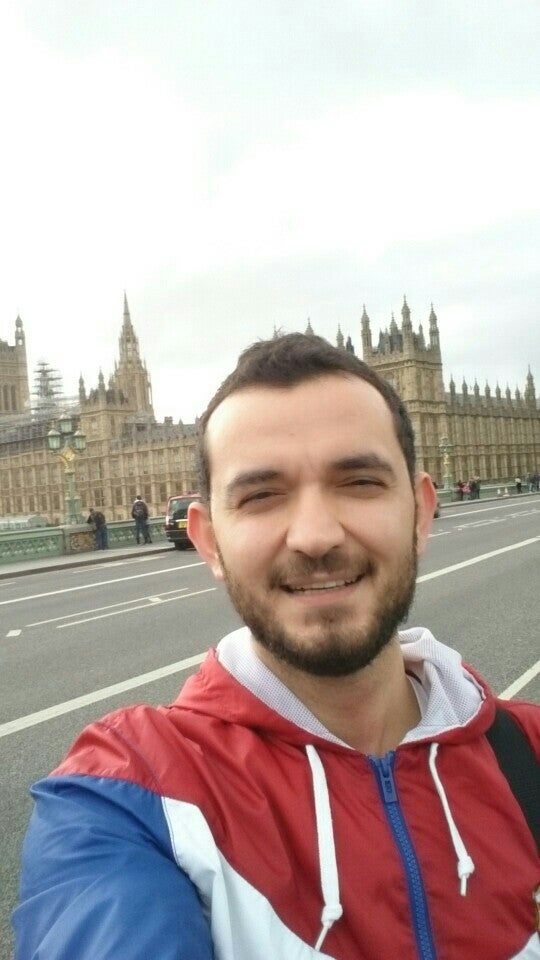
column 128, row 452
column 492, row 436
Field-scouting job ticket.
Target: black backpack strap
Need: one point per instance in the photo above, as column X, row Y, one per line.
column 517, row 761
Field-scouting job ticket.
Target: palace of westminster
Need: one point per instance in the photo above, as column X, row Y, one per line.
column 492, row 435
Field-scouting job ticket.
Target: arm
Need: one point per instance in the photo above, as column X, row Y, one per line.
column 99, row 878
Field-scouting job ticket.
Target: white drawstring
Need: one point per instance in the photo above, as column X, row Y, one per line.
column 332, row 909
column 465, row 865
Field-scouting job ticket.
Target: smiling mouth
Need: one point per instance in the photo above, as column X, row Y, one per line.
column 322, row 587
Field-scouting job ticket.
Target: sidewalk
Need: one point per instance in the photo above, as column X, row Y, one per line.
column 23, row 568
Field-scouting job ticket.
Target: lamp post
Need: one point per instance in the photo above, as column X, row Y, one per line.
column 68, row 443
column 446, row 449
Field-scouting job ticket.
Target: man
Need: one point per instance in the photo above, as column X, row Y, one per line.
column 97, row 519
column 323, row 785
column 139, row 512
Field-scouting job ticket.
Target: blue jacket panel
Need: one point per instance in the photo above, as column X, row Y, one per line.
column 95, row 904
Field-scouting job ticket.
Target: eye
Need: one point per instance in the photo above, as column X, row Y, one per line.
column 366, row 483
column 257, row 496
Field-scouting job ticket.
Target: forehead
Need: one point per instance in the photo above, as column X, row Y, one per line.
column 324, row 418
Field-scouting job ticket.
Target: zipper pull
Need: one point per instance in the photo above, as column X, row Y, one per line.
column 385, row 765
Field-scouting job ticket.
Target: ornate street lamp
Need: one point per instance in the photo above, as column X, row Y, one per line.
column 68, row 444
column 446, row 449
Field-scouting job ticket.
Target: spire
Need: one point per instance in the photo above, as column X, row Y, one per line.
column 508, row 394
column 421, row 340
column 464, row 388
column 128, row 344
column 476, row 388
column 19, row 332
column 487, row 391
column 101, row 381
column 349, row 346
column 393, row 324
column 433, row 330
column 452, row 386
column 309, row 329
column 82, row 389
column 339, row 338
column 366, row 335
column 406, row 315
column 498, row 391
column 530, row 392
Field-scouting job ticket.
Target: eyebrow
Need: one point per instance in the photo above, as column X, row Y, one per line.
column 247, row 478
column 365, row 461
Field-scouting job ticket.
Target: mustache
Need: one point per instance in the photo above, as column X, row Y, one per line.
column 333, row 562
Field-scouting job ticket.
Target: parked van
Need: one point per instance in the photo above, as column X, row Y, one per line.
column 176, row 519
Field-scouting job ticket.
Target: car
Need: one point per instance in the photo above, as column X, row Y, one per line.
column 176, row 519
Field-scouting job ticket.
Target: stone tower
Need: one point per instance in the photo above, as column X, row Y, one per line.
column 414, row 368
column 14, row 388
column 131, row 377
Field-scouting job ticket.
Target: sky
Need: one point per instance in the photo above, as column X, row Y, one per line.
column 238, row 166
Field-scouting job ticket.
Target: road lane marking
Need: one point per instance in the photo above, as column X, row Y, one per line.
column 500, row 506
column 31, row 719
column 141, row 606
column 521, row 682
column 14, row 633
column 468, row 563
column 102, row 583
column 108, row 606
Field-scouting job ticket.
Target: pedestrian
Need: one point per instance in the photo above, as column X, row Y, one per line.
column 460, row 489
column 518, row 484
column 97, row 519
column 476, row 488
column 323, row 785
column 139, row 512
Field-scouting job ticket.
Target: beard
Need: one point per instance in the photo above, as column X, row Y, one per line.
column 336, row 647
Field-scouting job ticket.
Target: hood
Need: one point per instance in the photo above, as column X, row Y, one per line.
column 235, row 686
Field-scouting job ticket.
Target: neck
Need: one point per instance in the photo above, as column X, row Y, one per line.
column 370, row 710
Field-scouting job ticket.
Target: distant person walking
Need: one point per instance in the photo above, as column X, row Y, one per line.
column 518, row 484
column 97, row 519
column 139, row 513
column 460, row 489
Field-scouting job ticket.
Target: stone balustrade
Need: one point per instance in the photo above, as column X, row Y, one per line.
column 39, row 542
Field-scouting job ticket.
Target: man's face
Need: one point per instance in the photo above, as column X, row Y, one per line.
column 313, row 520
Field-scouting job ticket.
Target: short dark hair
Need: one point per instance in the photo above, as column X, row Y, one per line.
column 285, row 361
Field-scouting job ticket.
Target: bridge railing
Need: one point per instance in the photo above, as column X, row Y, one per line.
column 33, row 544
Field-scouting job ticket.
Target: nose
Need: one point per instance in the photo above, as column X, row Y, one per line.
column 314, row 526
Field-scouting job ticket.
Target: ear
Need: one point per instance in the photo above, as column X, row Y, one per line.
column 426, row 504
column 201, row 534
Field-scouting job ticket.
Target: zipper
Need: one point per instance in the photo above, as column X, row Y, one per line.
column 384, row 767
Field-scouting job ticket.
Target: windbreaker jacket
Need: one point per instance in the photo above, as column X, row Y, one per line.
column 218, row 828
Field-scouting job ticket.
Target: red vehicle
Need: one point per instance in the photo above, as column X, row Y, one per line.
column 176, row 519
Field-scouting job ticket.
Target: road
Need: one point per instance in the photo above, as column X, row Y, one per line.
column 80, row 642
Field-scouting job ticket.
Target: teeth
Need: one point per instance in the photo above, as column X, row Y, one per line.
column 326, row 586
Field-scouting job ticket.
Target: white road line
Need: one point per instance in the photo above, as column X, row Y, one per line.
column 443, row 533
column 141, row 606
column 468, row 563
column 500, row 506
column 521, row 682
column 108, row 606
column 103, row 583
column 31, row 719
column 14, row 633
